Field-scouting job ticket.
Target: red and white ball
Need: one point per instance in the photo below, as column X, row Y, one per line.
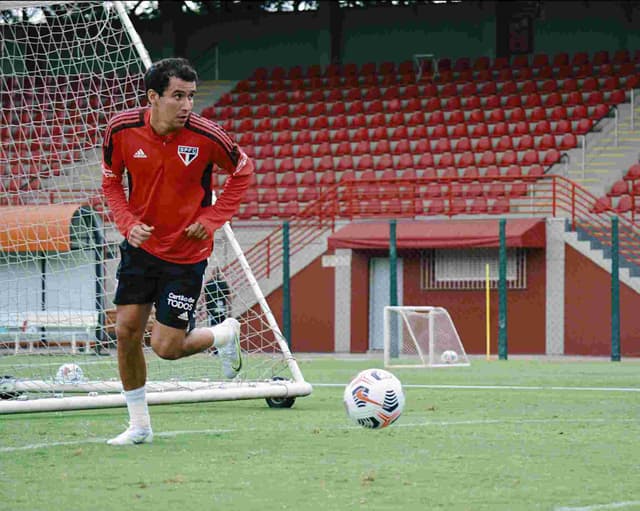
column 374, row 399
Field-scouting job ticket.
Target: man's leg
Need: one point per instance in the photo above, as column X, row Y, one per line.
column 173, row 343
column 131, row 321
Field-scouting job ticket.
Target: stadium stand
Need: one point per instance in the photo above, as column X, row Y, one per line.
column 474, row 118
column 475, row 121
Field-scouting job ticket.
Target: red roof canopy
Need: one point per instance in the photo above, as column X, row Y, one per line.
column 520, row 232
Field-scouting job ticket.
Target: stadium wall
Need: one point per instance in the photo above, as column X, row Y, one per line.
column 379, row 33
column 588, row 310
column 587, row 307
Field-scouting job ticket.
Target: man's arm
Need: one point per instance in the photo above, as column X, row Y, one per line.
column 240, row 168
column 112, row 189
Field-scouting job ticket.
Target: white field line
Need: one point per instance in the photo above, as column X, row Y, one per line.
column 478, row 422
column 501, row 387
column 597, row 507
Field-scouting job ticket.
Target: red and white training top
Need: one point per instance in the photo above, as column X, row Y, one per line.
column 170, row 181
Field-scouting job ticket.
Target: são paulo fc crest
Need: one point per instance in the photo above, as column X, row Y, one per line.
column 187, row 153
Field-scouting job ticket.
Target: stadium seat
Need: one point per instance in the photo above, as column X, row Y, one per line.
column 345, row 163
column 535, row 172
column 288, row 194
column 479, row 206
column 248, row 210
column 271, row 210
column 327, row 178
column 633, row 173
column 401, row 147
column 308, row 194
column 365, row 162
column 602, row 204
column 470, row 173
column 625, row 204
column 405, row 162
column 288, row 179
column 568, row 141
column 499, row 205
column 435, row 207
column 618, row 188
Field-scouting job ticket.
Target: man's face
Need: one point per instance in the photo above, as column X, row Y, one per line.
column 175, row 104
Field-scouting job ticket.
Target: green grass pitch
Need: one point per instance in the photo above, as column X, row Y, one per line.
column 502, row 435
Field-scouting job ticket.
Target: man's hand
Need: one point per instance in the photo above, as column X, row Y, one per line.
column 139, row 233
column 196, row 230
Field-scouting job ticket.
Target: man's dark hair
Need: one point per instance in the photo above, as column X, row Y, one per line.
column 158, row 75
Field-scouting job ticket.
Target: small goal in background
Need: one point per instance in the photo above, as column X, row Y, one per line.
column 421, row 336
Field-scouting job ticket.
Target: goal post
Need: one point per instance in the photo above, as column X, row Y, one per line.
column 66, row 69
column 421, row 336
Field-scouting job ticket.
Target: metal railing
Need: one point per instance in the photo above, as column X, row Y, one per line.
column 412, row 198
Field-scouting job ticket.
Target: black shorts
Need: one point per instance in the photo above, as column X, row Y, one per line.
column 173, row 288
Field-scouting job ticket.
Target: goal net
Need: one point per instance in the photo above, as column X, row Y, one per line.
column 66, row 68
column 421, row 337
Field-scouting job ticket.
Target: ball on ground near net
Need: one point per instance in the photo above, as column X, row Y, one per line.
column 449, row 357
column 70, row 373
column 374, row 399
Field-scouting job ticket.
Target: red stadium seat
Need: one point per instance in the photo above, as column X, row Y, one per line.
column 483, row 144
column 402, row 147
column 568, row 141
column 384, row 162
column 618, row 188
column 463, row 144
column 405, row 162
column 633, row 173
column 550, row 157
column 479, row 130
column 470, row 173
column 488, row 158
column 445, row 160
column 425, row 161
column 504, row 143
column 479, row 206
column 509, row 157
column 524, row 142
column 547, row 141
column 442, row 145
column 476, row 116
column 500, row 205
column 435, row 207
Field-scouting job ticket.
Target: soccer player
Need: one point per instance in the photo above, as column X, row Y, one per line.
column 168, row 222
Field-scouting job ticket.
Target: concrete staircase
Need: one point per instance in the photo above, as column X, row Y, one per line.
column 609, row 152
column 210, row 91
column 601, row 256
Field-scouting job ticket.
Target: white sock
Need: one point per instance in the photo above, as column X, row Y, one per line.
column 138, row 409
column 220, row 335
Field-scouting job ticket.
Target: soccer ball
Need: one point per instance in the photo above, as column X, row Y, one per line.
column 70, row 373
column 449, row 357
column 374, row 399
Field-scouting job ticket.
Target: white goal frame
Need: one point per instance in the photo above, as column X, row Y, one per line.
column 424, row 358
column 107, row 394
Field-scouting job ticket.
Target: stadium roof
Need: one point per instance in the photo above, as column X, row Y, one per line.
column 520, row 232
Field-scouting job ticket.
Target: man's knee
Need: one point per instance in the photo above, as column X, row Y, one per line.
column 130, row 334
column 166, row 349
